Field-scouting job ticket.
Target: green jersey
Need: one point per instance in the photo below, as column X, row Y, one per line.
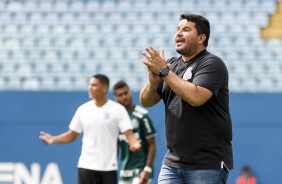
column 132, row 164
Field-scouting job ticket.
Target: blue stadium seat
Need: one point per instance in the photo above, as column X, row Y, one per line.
column 77, row 6
column 31, row 84
column 48, row 83
column 45, row 6
column 14, row 83
column 61, row 6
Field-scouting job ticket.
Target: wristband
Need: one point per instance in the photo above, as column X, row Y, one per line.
column 147, row 169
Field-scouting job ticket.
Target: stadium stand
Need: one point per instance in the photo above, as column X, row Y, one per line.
column 56, row 45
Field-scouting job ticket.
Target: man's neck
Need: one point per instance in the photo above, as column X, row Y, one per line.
column 188, row 58
column 101, row 102
column 130, row 108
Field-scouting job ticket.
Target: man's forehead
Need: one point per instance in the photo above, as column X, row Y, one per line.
column 183, row 22
column 94, row 80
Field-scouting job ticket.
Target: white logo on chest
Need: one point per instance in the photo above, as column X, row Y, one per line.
column 188, row 74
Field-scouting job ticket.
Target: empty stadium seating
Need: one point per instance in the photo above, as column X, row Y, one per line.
column 57, row 45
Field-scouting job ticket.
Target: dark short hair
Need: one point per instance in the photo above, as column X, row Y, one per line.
column 102, row 78
column 201, row 23
column 120, row 84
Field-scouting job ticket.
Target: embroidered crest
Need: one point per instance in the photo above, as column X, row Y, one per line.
column 188, row 74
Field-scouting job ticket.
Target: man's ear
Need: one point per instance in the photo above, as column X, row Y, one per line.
column 202, row 39
column 105, row 89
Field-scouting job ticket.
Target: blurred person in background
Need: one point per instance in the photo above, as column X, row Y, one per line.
column 136, row 168
column 194, row 88
column 100, row 120
column 246, row 177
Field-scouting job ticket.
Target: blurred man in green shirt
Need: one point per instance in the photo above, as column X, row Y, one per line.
column 136, row 168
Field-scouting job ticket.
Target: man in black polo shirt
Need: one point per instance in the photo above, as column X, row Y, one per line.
column 194, row 88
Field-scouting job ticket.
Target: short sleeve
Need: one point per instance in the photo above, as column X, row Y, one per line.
column 76, row 124
column 149, row 129
column 211, row 74
column 124, row 120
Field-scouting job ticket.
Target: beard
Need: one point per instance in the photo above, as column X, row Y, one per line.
column 187, row 50
column 183, row 51
column 127, row 104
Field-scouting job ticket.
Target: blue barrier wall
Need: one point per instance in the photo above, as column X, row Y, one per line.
column 257, row 131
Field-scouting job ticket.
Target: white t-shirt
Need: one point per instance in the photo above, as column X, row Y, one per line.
column 100, row 127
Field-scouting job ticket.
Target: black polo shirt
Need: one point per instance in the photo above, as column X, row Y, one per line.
column 199, row 137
